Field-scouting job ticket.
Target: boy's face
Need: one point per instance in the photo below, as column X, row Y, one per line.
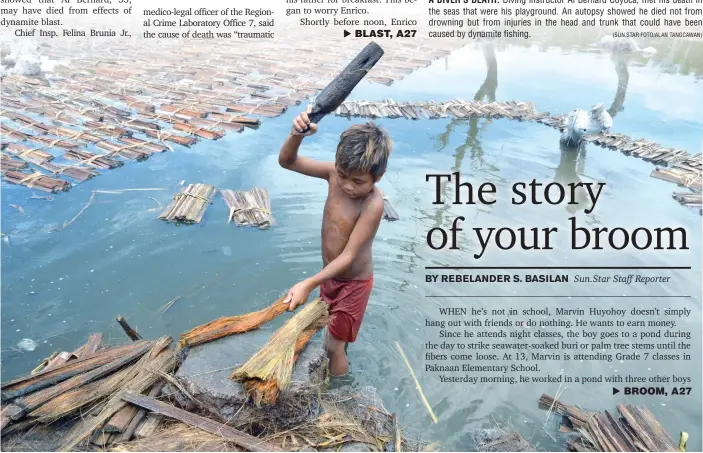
column 355, row 183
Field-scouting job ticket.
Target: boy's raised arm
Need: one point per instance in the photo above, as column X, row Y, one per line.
column 288, row 156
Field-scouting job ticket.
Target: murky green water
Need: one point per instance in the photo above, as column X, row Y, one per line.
column 116, row 259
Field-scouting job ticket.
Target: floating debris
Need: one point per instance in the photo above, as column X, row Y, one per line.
column 688, row 198
column 27, row 344
column 168, row 305
column 249, row 207
column 389, row 212
column 189, row 206
column 18, row 207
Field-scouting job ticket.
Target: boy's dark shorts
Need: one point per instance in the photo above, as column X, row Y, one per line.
column 347, row 301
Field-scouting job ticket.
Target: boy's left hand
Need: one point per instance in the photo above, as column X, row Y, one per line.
column 298, row 295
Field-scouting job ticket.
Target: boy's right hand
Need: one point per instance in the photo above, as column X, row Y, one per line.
column 301, row 122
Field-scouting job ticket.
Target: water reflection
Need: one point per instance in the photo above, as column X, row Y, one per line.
column 623, row 79
column 571, row 165
column 673, row 56
column 487, row 93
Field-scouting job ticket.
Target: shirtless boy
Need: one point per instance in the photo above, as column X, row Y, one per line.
column 353, row 212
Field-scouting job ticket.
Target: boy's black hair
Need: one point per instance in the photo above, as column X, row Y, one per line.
column 364, row 147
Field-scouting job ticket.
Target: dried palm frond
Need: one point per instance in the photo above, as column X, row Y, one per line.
column 81, row 397
column 144, row 376
column 230, row 325
column 274, row 362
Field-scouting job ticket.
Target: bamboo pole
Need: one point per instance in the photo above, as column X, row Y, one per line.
column 417, row 383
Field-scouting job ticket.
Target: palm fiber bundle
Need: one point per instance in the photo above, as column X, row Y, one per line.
column 267, row 392
column 189, row 206
column 230, row 325
column 274, row 362
column 249, row 207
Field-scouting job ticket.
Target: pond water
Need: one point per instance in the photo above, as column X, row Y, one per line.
column 117, row 259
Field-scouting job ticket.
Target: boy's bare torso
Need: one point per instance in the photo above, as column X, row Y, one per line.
column 339, row 218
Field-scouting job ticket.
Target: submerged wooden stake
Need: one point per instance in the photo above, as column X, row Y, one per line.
column 131, row 333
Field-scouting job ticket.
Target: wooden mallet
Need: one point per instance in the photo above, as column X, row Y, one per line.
column 338, row 89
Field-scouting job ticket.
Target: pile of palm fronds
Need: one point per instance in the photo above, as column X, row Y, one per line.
column 83, row 387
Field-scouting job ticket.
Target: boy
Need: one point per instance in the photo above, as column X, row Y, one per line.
column 352, row 214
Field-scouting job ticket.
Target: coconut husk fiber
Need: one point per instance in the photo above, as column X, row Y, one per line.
column 274, row 362
column 230, row 325
column 266, row 391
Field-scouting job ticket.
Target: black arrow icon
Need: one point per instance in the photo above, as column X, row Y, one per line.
column 615, row 391
column 346, row 33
